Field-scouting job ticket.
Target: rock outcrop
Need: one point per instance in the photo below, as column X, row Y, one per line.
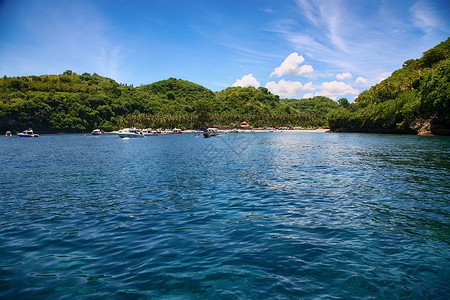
column 432, row 126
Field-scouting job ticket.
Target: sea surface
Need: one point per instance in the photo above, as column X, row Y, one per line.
column 279, row 215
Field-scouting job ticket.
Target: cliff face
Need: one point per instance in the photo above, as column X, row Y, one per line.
column 432, row 126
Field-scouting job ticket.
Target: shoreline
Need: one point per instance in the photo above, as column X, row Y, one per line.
column 249, row 130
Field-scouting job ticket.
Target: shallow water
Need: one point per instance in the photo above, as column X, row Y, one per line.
column 279, row 215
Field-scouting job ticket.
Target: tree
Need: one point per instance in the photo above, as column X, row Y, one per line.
column 344, row 102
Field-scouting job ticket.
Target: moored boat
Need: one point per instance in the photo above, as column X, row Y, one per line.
column 8, row 133
column 28, row 133
column 149, row 132
column 211, row 132
column 96, row 132
column 177, row 131
column 130, row 133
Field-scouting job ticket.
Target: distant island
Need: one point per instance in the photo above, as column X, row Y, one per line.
column 414, row 99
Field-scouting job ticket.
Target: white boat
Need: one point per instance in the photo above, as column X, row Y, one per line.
column 8, row 133
column 130, row 133
column 28, row 133
column 177, row 131
column 149, row 132
column 96, row 132
column 211, row 132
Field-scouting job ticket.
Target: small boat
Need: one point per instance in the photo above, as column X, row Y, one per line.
column 8, row 133
column 28, row 133
column 96, row 132
column 211, row 132
column 130, row 133
column 177, row 131
column 149, row 132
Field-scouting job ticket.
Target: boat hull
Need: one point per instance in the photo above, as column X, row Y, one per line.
column 130, row 135
column 27, row 135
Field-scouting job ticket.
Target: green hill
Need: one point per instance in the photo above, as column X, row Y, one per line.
column 414, row 99
column 78, row 103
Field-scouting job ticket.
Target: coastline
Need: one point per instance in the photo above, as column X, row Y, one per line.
column 253, row 130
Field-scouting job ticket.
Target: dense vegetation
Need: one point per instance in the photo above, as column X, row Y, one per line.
column 419, row 90
column 77, row 103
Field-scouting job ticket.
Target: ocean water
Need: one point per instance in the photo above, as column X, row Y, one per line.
column 279, row 215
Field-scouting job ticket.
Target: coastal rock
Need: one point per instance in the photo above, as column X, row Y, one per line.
column 432, row 126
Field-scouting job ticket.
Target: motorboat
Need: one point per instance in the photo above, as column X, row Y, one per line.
column 130, row 133
column 177, row 131
column 149, row 132
column 96, row 132
column 28, row 133
column 211, row 132
column 8, row 133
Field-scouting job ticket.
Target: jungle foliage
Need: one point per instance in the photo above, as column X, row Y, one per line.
column 77, row 103
column 419, row 90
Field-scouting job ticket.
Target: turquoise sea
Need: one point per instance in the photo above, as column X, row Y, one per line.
column 279, row 215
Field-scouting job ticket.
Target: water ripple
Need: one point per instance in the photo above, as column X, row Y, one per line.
column 267, row 215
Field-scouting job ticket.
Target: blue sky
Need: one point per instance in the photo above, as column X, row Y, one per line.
column 296, row 48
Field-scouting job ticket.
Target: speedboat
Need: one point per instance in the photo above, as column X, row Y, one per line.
column 149, row 132
column 28, row 133
column 177, row 131
column 96, row 132
column 8, row 133
column 130, row 133
column 211, row 132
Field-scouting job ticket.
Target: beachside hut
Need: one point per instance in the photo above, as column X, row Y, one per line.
column 244, row 125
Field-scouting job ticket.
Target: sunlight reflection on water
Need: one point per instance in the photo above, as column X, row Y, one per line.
column 255, row 215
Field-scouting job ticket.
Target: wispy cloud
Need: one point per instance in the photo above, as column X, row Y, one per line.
column 424, row 17
column 328, row 14
column 354, row 37
column 75, row 35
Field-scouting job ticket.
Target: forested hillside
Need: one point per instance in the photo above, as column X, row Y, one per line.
column 413, row 99
column 78, row 103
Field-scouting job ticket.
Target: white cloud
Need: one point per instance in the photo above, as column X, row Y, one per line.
column 343, row 76
column 290, row 66
column 247, row 80
column 424, row 17
column 336, row 88
column 286, row 88
column 308, row 95
column 383, row 76
column 361, row 81
column 328, row 15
